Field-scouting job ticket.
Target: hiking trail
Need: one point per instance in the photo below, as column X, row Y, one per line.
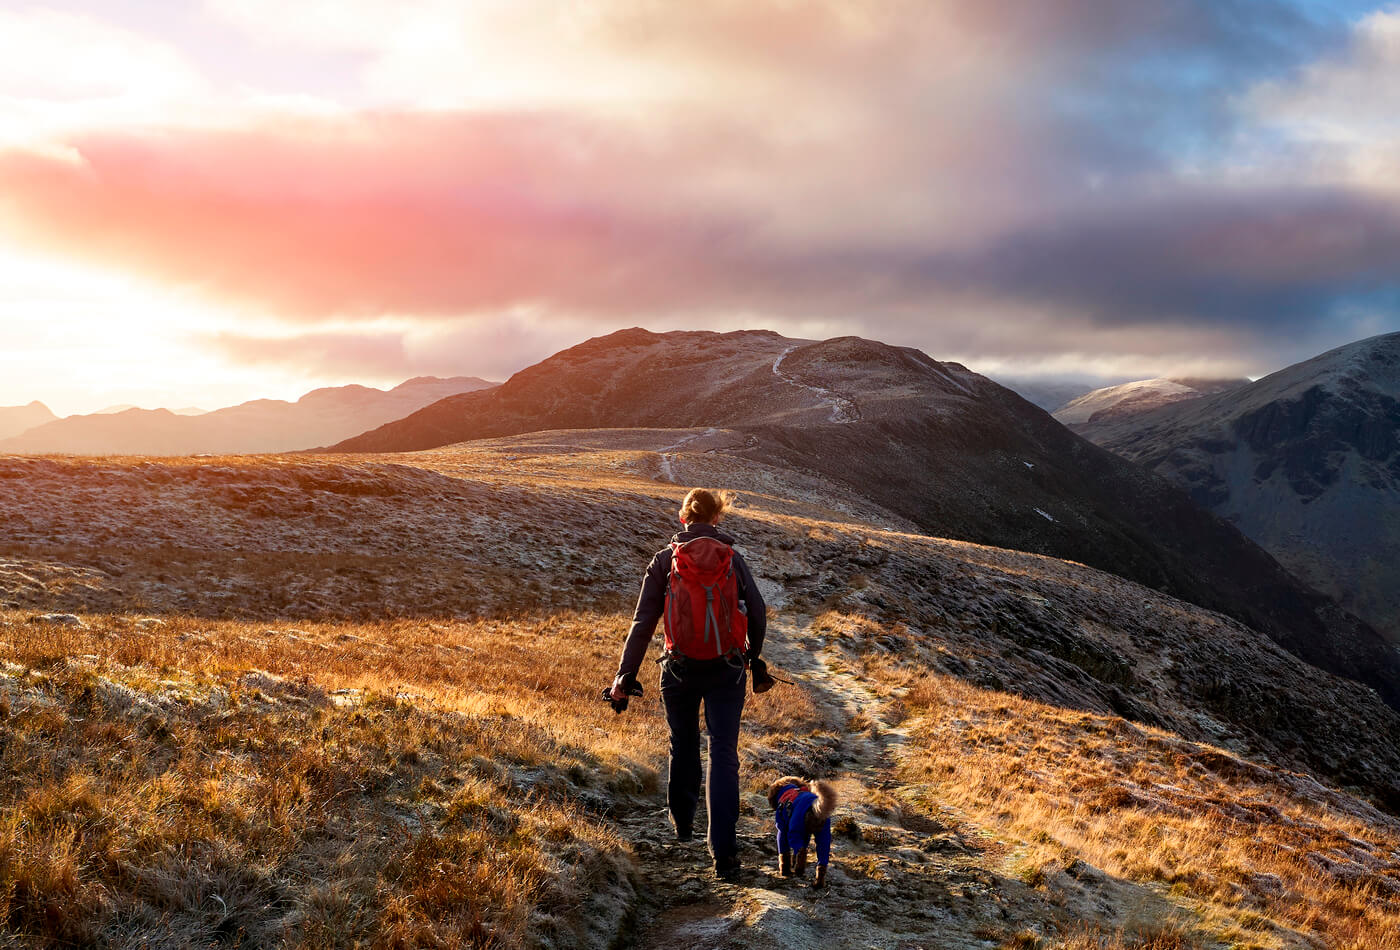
column 902, row 881
column 667, row 455
column 843, row 407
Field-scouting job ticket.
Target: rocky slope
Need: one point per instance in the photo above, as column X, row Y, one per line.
column 1305, row 461
column 950, row 451
column 1141, row 395
column 262, row 425
column 17, row 419
column 390, row 630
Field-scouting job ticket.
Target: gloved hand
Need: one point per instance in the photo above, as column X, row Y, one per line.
column 762, row 681
column 618, row 694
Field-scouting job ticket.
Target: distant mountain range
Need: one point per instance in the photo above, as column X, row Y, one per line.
column 1305, row 461
column 262, row 425
column 952, row 451
column 113, row 410
column 1142, row 395
column 17, row 419
column 1049, row 393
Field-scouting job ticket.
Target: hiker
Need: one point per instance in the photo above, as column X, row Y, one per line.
column 715, row 623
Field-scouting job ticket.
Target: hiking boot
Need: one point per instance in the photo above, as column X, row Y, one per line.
column 727, row 868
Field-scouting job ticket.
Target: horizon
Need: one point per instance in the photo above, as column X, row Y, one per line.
column 194, row 411
column 229, row 201
column 1008, row 380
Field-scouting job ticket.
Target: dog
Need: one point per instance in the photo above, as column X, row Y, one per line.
column 802, row 810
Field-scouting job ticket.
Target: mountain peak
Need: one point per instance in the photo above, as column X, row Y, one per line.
column 17, row 419
column 1306, row 461
column 1142, row 395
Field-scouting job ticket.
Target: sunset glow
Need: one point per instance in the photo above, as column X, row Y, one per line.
column 218, row 201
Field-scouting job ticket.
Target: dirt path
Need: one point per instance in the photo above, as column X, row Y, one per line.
column 843, row 407
column 668, row 455
column 904, row 880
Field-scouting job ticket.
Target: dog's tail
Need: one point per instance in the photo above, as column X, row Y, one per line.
column 826, row 801
column 777, row 787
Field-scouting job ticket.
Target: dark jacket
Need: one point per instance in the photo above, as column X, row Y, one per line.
column 651, row 603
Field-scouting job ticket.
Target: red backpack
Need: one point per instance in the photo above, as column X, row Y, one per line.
column 704, row 617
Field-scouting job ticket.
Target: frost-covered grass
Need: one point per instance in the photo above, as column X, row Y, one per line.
column 336, row 785
column 394, row 783
column 1263, row 854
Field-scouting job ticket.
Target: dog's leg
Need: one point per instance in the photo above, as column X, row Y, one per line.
column 785, row 863
column 821, row 876
column 799, row 865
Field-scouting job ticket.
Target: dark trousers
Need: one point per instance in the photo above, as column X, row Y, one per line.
column 721, row 688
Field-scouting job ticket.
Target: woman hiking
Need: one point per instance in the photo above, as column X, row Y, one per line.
column 715, row 623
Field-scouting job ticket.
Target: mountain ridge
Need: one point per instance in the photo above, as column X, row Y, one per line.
column 17, row 419
column 257, row 425
column 955, row 453
column 1141, row 396
column 1305, row 460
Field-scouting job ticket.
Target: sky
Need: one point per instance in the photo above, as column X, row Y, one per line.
column 207, row 201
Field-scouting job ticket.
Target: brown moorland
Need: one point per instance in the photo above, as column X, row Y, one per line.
column 321, row 701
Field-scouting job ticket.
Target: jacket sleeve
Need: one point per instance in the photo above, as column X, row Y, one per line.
column 651, row 602
column 756, row 609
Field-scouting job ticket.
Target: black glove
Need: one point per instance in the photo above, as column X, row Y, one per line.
column 630, row 687
column 762, row 682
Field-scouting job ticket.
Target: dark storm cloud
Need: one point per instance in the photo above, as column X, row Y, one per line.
column 1265, row 258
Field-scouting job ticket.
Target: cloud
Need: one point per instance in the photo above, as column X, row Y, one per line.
column 353, row 354
column 1258, row 257
column 64, row 71
column 451, row 215
column 98, row 60
column 419, row 214
column 489, row 349
column 1341, row 112
column 922, row 168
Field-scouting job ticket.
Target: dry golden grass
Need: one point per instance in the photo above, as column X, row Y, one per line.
column 378, row 784
column 1261, row 853
column 159, row 786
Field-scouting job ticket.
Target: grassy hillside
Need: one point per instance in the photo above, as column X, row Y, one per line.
column 333, row 702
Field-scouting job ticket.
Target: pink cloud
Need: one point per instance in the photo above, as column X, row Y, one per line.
column 490, row 349
column 371, row 216
column 834, row 164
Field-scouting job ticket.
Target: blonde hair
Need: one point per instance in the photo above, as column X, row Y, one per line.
column 704, row 505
